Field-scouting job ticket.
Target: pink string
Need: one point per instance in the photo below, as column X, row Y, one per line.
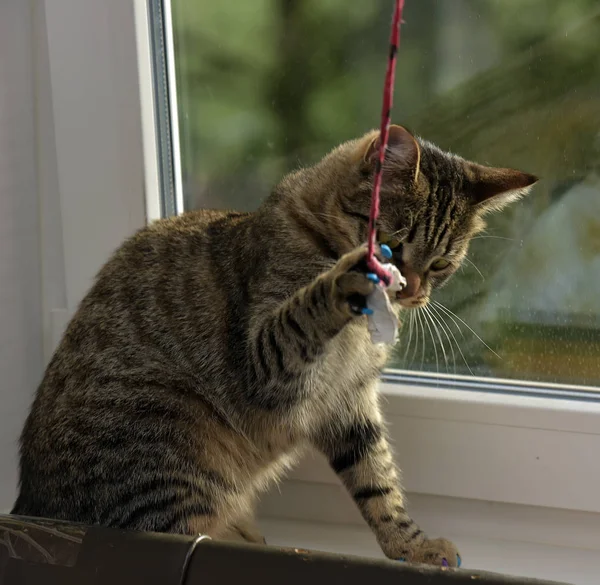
column 386, row 111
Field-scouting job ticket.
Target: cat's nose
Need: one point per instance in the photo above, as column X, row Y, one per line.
column 413, row 283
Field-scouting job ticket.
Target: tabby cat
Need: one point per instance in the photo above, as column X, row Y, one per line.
column 215, row 346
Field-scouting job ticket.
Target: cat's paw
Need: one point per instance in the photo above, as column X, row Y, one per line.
column 438, row 551
column 353, row 282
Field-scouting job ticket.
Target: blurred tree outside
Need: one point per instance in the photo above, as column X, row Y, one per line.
column 265, row 86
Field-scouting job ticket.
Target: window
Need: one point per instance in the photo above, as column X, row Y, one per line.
column 265, row 86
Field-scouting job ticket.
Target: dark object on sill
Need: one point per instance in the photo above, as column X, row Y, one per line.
column 36, row 551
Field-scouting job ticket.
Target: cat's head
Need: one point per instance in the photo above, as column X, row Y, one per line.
column 432, row 204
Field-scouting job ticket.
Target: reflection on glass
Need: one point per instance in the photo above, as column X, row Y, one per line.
column 265, row 86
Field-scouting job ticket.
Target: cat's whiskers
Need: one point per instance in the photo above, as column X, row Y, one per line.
column 494, row 238
column 430, row 315
column 427, row 322
column 441, row 315
column 454, row 315
column 326, row 215
column 422, row 336
column 393, row 234
column 414, row 353
column 410, row 334
column 474, row 266
column 444, row 326
column 447, row 314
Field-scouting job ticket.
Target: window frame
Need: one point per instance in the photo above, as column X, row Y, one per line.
column 474, row 442
column 102, row 147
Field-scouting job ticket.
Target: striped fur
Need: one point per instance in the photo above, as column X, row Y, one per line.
column 215, row 347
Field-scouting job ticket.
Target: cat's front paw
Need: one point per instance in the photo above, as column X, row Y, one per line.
column 438, row 551
column 414, row 547
column 353, row 282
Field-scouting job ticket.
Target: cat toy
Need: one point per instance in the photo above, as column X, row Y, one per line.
column 382, row 322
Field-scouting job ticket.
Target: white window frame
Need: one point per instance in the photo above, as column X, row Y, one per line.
column 517, row 448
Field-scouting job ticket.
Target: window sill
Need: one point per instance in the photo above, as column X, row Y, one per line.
column 510, row 556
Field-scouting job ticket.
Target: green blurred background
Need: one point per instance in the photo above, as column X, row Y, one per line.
column 267, row 85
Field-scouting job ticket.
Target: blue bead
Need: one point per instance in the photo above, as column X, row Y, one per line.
column 401, row 560
column 373, row 277
column 367, row 311
column 386, row 251
column 458, row 560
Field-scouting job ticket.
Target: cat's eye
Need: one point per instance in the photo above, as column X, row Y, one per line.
column 440, row 264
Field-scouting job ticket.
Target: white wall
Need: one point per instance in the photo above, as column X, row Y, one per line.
column 21, row 359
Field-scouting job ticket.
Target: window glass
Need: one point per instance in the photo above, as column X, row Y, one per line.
column 266, row 85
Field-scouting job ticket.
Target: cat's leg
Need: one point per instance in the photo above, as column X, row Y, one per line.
column 360, row 454
column 287, row 339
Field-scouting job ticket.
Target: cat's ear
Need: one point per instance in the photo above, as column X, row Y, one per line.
column 490, row 189
column 403, row 152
